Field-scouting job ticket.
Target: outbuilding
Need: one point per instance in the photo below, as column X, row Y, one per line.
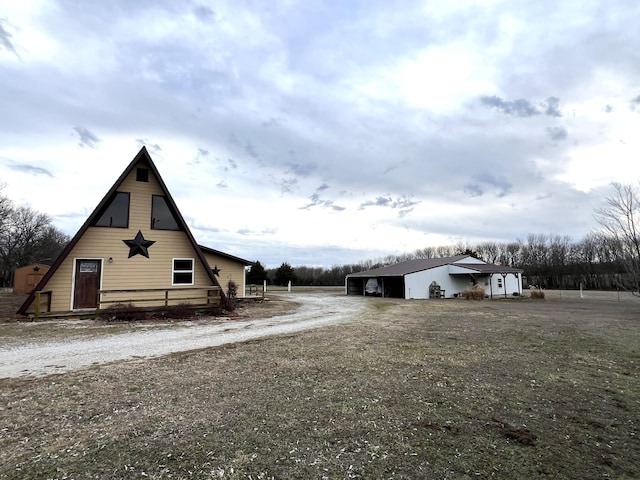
column 26, row 278
column 445, row 277
column 227, row 268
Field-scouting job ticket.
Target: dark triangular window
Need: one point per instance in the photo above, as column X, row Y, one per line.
column 162, row 217
column 115, row 213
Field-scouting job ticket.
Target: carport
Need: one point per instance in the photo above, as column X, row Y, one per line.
column 388, row 286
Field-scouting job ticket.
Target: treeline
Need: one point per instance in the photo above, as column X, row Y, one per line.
column 26, row 237
column 548, row 261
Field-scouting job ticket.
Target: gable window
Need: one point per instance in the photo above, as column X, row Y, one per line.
column 182, row 271
column 116, row 212
column 142, row 175
column 162, row 218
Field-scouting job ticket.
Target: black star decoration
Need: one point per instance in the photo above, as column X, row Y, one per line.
column 138, row 245
column 215, row 270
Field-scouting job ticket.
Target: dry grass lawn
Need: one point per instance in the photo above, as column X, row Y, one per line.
column 455, row 389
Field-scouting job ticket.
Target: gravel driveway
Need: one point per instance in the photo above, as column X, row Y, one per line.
column 43, row 358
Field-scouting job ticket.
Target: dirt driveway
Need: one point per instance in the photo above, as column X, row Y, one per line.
column 38, row 356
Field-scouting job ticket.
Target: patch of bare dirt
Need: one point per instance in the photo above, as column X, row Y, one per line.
column 9, row 304
column 35, row 350
column 409, row 389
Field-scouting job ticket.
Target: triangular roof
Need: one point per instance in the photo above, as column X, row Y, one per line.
column 412, row 266
column 212, row 251
column 143, row 154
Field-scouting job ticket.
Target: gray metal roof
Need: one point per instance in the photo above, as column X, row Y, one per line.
column 412, row 266
column 409, row 266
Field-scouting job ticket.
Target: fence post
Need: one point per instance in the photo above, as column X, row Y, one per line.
column 37, row 305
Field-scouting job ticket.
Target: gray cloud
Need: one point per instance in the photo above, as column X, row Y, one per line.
column 287, row 185
column 23, row 167
column 271, row 122
column 518, row 108
column 204, row 13
column 635, row 102
column 378, row 202
column 316, row 201
column 608, row 108
column 552, row 107
column 200, row 156
column 473, row 190
column 557, row 133
column 485, row 181
column 251, row 150
column 522, row 107
column 302, row 170
column 87, row 138
column 153, row 148
column 322, row 187
column 404, row 204
column 5, row 39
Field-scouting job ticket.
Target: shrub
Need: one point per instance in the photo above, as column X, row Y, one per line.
column 537, row 293
column 232, row 289
column 122, row 312
column 179, row 311
column 229, row 304
column 475, row 292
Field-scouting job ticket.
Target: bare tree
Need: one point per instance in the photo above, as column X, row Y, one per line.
column 488, row 251
column 620, row 222
column 26, row 236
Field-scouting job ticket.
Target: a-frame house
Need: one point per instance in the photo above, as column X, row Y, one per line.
column 134, row 248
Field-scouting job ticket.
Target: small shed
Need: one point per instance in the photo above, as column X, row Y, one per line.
column 26, row 278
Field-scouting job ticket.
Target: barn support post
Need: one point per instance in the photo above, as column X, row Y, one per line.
column 504, row 283
column 491, row 286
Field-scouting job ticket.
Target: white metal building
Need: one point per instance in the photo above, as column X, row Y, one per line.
column 444, row 277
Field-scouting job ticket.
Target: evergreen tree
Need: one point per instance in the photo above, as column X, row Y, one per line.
column 256, row 274
column 284, row 274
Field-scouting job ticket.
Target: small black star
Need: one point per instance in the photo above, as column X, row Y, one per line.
column 138, row 245
column 216, row 271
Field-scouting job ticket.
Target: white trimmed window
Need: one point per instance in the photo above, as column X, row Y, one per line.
column 182, row 273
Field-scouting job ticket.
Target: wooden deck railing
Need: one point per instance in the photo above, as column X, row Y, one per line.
column 208, row 296
column 157, row 297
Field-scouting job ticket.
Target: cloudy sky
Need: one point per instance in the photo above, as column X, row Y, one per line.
column 326, row 132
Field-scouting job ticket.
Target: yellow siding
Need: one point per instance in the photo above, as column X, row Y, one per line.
column 229, row 270
column 122, row 272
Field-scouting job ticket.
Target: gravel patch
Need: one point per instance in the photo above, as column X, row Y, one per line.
column 40, row 358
